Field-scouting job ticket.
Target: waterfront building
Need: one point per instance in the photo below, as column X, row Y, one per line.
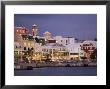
column 55, row 52
column 25, row 47
column 75, row 52
column 38, row 52
column 20, row 31
column 24, row 43
column 17, row 48
column 34, row 47
column 17, row 52
column 88, row 47
column 28, row 42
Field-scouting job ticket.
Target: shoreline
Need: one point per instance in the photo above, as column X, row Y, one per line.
column 58, row 71
column 31, row 67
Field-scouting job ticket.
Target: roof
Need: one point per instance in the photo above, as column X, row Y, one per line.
column 16, row 44
column 89, row 42
column 46, row 32
column 34, row 25
column 53, row 45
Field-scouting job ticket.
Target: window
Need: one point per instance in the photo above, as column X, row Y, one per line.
column 24, row 48
column 88, row 48
column 73, row 53
column 28, row 49
column 66, row 41
column 16, row 46
column 93, row 48
column 32, row 48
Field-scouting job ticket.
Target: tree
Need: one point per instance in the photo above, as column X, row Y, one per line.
column 40, row 40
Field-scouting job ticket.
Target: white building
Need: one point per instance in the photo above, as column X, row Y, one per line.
column 55, row 51
column 75, row 51
column 64, row 40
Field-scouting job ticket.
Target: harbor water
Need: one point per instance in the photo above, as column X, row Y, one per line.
column 58, row 71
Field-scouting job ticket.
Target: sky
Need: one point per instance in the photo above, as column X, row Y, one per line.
column 80, row 26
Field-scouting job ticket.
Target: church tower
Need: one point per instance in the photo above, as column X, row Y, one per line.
column 34, row 30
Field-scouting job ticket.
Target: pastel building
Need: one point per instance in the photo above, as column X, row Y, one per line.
column 25, row 44
column 34, row 47
column 18, row 31
column 17, row 48
column 28, row 43
column 88, row 47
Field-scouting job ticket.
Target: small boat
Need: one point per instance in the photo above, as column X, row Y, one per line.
column 85, row 65
column 68, row 65
column 29, row 68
